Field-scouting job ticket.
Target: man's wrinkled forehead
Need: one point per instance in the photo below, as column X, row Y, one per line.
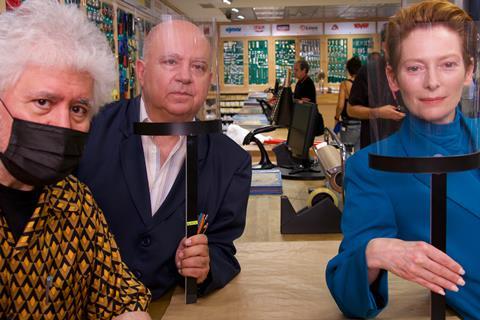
column 180, row 38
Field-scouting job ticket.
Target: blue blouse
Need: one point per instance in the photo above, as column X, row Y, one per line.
column 397, row 205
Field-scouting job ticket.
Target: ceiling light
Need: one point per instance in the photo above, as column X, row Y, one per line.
column 234, row 9
column 268, row 13
column 241, row 17
column 227, row 1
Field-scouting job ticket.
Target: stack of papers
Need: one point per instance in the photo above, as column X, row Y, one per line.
column 250, row 121
column 258, row 95
column 266, row 182
column 253, row 96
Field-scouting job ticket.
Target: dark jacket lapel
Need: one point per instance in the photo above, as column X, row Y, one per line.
column 133, row 162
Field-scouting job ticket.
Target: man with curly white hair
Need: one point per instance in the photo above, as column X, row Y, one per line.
column 58, row 259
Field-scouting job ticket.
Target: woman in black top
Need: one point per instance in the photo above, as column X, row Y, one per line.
column 349, row 127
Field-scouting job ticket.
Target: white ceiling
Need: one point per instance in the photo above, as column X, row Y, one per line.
column 292, row 9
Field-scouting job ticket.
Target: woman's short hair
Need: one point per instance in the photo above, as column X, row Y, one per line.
column 353, row 65
column 426, row 14
column 45, row 33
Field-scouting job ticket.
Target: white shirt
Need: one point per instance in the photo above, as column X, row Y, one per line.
column 160, row 177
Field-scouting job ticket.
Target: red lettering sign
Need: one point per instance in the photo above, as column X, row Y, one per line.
column 363, row 25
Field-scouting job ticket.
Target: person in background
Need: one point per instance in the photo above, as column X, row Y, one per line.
column 386, row 219
column 305, row 91
column 58, row 259
column 139, row 181
column 371, row 97
column 304, row 88
column 349, row 127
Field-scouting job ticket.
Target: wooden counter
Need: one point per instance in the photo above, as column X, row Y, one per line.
column 286, row 280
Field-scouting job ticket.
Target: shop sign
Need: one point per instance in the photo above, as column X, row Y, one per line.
column 297, row 29
column 245, row 30
column 362, row 27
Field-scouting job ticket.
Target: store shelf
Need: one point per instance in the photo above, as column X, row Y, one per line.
column 361, row 48
column 233, row 73
column 337, row 60
column 284, row 58
column 310, row 51
column 257, row 62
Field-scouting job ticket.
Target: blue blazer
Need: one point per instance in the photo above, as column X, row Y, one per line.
column 113, row 166
column 397, row 205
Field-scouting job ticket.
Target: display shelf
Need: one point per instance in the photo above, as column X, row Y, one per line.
column 337, row 59
column 127, row 54
column 310, row 51
column 233, row 73
column 230, row 105
column 284, row 58
column 361, row 47
column 101, row 14
column 257, row 62
column 77, row 2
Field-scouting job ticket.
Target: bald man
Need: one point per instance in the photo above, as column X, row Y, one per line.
column 139, row 181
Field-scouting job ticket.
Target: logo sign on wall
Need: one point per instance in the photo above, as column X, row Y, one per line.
column 363, row 27
column 297, row 29
column 245, row 30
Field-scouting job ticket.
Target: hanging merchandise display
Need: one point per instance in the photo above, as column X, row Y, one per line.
column 310, row 51
column 102, row 14
column 77, row 2
column 127, row 50
column 233, row 63
column 362, row 47
column 284, row 58
column 258, row 62
column 337, row 59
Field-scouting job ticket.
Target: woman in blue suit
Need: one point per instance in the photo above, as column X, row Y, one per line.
column 386, row 220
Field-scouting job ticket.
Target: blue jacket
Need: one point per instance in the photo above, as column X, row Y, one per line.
column 397, row 205
column 113, row 166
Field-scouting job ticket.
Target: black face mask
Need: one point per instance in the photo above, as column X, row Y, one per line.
column 40, row 154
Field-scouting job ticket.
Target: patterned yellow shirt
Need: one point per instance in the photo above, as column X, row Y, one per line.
column 66, row 264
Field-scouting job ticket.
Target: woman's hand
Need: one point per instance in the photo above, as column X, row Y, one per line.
column 415, row 261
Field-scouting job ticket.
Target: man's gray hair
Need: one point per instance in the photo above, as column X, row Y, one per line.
column 47, row 34
column 303, row 65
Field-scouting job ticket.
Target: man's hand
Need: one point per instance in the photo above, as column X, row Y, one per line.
column 415, row 261
column 387, row 112
column 192, row 257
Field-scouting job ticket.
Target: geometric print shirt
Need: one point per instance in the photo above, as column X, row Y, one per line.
column 66, row 264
